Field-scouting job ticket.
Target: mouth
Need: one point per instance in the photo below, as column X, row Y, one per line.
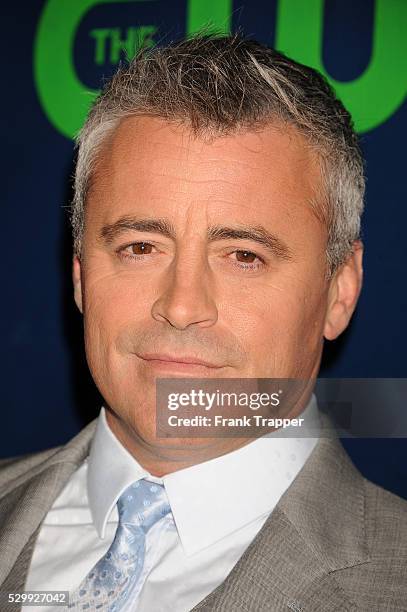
column 178, row 363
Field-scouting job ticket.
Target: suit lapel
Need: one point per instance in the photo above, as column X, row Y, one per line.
column 316, row 529
column 25, row 502
column 278, row 572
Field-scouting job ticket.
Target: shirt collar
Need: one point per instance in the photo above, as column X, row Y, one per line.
column 211, row 499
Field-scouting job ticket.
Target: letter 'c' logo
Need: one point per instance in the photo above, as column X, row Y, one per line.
column 64, row 99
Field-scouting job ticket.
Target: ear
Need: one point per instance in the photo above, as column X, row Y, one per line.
column 77, row 284
column 343, row 293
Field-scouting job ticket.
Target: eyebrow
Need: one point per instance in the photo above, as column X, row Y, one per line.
column 110, row 232
column 276, row 246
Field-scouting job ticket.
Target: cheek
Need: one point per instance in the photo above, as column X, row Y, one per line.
column 281, row 321
column 115, row 307
column 113, row 303
column 114, row 300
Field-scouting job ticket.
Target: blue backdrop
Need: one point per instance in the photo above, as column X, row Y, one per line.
column 56, row 53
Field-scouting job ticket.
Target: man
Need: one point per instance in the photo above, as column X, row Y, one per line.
column 218, row 195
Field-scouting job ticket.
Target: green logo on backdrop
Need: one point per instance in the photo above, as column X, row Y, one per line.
column 371, row 98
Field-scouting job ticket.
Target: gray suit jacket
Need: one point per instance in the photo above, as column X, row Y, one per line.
column 335, row 541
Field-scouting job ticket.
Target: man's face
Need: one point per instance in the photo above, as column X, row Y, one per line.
column 165, row 273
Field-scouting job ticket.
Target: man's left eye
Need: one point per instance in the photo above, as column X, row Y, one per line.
column 247, row 261
column 246, row 257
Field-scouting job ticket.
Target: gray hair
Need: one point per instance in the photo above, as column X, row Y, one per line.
column 218, row 85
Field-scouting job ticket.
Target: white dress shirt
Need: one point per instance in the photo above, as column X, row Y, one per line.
column 217, row 508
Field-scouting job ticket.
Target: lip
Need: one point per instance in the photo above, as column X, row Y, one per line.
column 176, row 360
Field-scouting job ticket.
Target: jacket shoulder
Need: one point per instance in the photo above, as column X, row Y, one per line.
column 15, row 467
column 73, row 452
column 380, row 583
column 386, row 522
column 17, row 470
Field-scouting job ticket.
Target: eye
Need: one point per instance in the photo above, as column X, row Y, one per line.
column 135, row 250
column 247, row 260
column 140, row 248
column 246, row 256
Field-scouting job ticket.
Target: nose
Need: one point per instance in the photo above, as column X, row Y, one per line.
column 187, row 297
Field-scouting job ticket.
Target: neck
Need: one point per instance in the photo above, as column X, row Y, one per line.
column 163, row 456
column 160, row 456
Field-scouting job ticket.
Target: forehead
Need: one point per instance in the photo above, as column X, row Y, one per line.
column 149, row 161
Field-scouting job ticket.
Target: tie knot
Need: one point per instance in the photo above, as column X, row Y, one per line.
column 143, row 503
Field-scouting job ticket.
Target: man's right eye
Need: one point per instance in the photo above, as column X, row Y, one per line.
column 135, row 250
column 140, row 248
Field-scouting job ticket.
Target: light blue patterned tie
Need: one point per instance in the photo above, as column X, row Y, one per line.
column 106, row 586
